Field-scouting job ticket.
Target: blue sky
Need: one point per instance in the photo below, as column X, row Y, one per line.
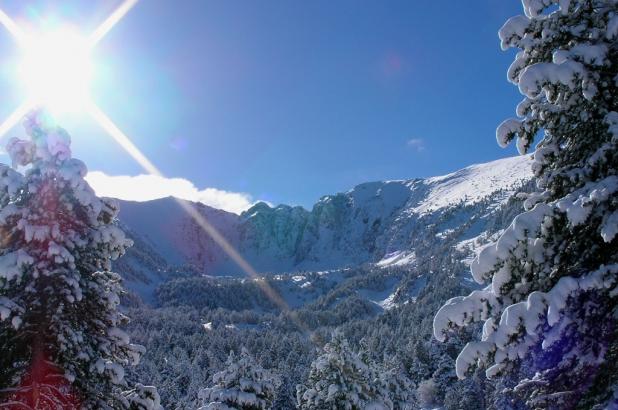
column 291, row 100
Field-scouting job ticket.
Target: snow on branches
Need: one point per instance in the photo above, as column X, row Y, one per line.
column 58, row 298
column 551, row 278
column 342, row 379
column 243, row 384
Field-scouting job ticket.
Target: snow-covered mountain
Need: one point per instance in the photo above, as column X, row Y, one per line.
column 377, row 261
column 378, row 223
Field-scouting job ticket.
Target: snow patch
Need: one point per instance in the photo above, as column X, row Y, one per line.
column 397, row 258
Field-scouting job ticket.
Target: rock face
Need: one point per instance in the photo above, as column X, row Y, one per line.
column 375, row 222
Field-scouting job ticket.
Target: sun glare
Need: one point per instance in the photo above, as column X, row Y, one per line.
column 56, row 70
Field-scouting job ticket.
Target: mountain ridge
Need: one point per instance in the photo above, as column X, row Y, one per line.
column 375, row 222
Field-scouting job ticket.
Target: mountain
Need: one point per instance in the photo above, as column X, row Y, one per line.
column 375, row 262
column 376, row 223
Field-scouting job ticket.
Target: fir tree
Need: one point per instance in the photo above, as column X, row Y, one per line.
column 243, row 384
column 396, row 389
column 340, row 379
column 60, row 329
column 549, row 308
column 390, row 385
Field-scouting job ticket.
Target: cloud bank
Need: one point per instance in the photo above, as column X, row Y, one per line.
column 149, row 187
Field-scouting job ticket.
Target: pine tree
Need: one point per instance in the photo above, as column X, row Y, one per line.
column 390, row 385
column 396, row 390
column 243, row 384
column 550, row 305
column 340, row 379
column 60, row 329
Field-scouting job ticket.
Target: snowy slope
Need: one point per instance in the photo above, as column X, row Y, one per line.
column 473, row 183
column 377, row 223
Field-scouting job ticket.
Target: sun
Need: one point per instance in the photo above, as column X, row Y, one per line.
column 56, row 69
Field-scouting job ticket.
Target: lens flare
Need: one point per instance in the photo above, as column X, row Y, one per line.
column 110, row 22
column 12, row 27
column 15, row 117
column 56, row 70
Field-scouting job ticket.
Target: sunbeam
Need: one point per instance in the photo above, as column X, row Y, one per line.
column 12, row 27
column 121, row 138
column 14, row 118
column 110, row 22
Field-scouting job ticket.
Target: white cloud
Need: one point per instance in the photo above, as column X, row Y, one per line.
column 149, row 187
column 417, row 144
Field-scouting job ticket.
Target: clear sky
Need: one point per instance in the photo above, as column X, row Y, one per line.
column 290, row 100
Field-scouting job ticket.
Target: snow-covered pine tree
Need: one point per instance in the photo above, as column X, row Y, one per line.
column 339, row 379
column 549, row 311
column 243, row 384
column 60, row 333
column 396, row 390
column 391, row 387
